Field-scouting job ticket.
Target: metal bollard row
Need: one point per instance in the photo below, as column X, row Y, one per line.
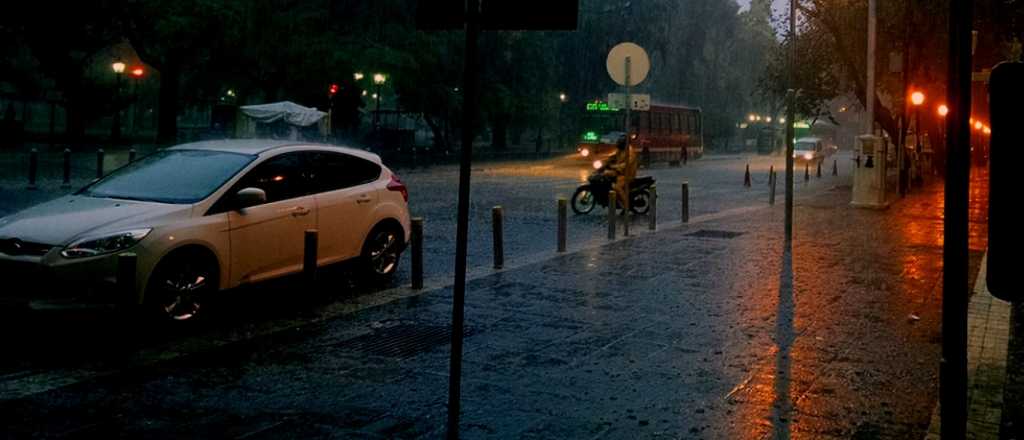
column 497, row 224
column 309, row 258
column 417, row 253
column 562, row 223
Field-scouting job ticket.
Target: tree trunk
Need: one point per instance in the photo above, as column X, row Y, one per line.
column 167, row 116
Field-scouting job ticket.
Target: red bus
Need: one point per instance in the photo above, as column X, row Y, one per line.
column 662, row 134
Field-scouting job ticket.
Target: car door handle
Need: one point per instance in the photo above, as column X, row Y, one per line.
column 299, row 211
column 363, row 199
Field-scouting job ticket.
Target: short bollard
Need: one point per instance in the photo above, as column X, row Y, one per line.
column 807, row 172
column 309, row 258
column 746, row 177
column 125, row 281
column 652, row 216
column 686, row 202
column 835, row 167
column 627, row 218
column 497, row 223
column 99, row 163
column 611, row 215
column 417, row 253
column 67, row 168
column 819, row 170
column 33, row 167
column 131, row 155
column 771, row 174
column 771, row 190
column 563, row 220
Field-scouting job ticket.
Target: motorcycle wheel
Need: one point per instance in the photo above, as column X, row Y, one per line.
column 583, row 201
column 641, row 202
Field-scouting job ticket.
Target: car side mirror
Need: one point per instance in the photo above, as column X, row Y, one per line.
column 247, row 197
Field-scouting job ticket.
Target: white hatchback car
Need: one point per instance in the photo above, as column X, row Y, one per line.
column 209, row 216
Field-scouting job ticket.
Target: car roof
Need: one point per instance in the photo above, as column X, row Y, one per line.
column 260, row 146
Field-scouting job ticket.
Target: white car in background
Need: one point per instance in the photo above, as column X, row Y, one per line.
column 208, row 216
column 811, row 150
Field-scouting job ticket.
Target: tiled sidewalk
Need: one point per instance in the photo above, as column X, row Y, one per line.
column 988, row 333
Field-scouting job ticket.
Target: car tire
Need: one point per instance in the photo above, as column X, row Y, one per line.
column 180, row 284
column 382, row 250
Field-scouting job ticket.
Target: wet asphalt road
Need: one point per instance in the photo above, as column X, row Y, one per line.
column 60, row 347
column 715, row 338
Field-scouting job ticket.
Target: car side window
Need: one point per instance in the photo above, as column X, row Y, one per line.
column 282, row 177
column 334, row 171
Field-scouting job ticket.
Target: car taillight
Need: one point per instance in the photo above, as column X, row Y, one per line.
column 396, row 185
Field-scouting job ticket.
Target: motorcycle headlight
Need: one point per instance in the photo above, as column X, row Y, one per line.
column 93, row 246
column 585, row 152
column 598, row 164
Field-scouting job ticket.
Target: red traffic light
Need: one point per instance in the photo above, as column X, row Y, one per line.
column 333, row 90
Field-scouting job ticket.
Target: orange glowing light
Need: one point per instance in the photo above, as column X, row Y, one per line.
column 943, row 110
column 978, row 125
column 917, row 98
column 138, row 72
column 987, row 130
column 278, row 178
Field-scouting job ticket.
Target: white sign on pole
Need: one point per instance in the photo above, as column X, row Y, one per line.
column 639, row 66
column 640, row 102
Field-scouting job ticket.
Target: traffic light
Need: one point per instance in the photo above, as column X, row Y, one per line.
column 333, row 90
column 1005, row 236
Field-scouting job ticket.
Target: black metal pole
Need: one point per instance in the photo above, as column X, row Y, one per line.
column 953, row 368
column 469, row 107
column 115, row 127
column 790, row 120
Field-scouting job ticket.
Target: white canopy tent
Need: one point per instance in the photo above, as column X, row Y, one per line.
column 285, row 111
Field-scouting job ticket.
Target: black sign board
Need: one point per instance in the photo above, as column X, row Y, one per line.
column 497, row 15
column 1005, row 236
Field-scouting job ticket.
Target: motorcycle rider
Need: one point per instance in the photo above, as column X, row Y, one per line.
column 622, row 167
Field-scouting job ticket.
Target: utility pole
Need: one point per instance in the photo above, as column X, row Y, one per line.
column 953, row 367
column 790, row 120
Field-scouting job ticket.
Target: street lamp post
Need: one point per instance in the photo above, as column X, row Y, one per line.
column 943, row 110
column 562, row 99
column 378, row 79
column 917, row 99
column 115, row 129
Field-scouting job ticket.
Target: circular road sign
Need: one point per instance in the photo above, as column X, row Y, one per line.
column 639, row 64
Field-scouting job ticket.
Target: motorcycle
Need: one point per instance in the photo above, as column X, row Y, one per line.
column 595, row 192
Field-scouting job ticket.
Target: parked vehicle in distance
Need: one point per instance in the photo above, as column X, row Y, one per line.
column 205, row 217
column 811, row 150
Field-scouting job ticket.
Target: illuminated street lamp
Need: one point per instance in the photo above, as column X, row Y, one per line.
column 358, row 76
column 943, row 111
column 378, row 79
column 752, row 117
column 115, row 128
column 917, row 98
column 978, row 125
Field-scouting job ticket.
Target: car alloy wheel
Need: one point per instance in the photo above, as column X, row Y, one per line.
column 182, row 288
column 384, row 252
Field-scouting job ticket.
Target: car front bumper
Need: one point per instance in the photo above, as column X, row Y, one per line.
column 42, row 283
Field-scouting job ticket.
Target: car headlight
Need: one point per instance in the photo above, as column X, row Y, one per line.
column 585, row 152
column 92, row 246
column 809, row 156
column 598, row 164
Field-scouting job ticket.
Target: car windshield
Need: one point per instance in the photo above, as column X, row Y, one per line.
column 805, row 146
column 170, row 176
